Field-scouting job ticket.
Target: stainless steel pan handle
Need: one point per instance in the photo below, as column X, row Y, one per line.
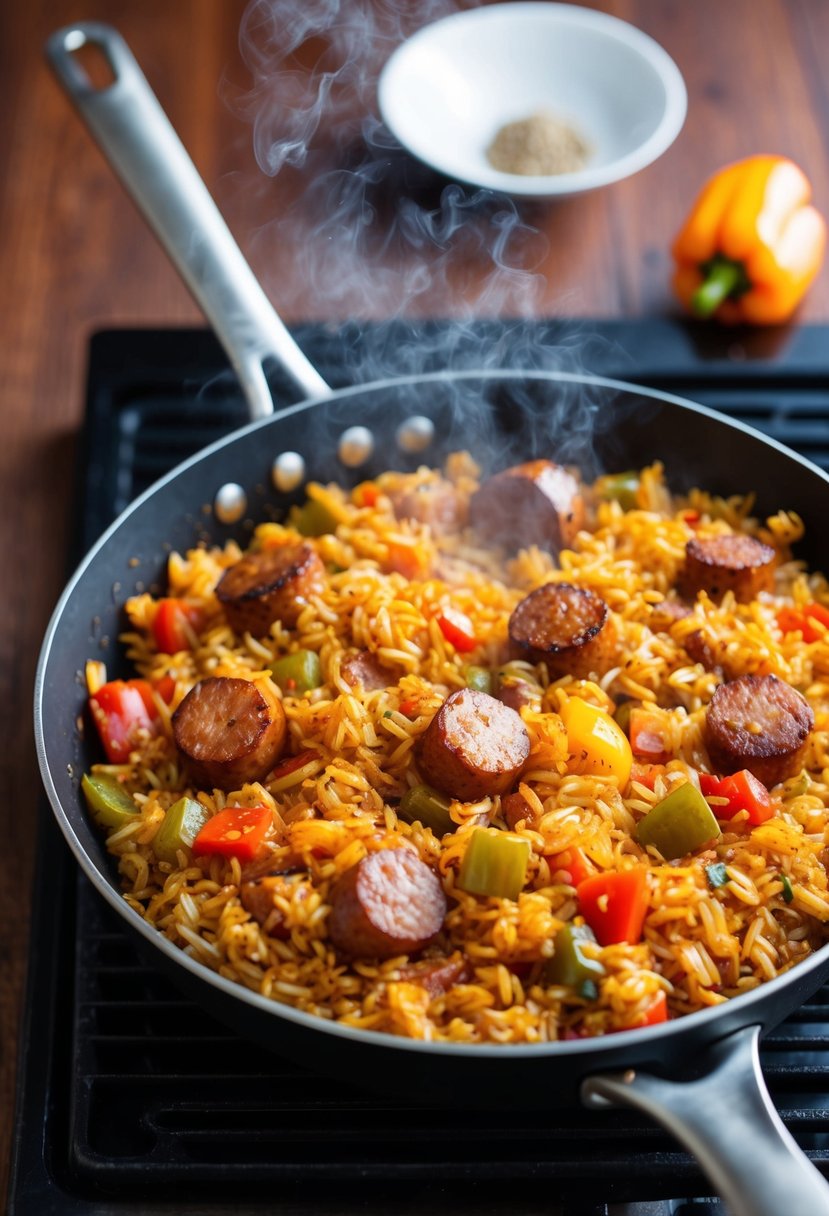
column 727, row 1120
column 136, row 136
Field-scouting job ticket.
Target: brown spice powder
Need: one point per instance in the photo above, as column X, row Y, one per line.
column 540, row 145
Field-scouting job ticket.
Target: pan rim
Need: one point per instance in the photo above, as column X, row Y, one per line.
column 593, row 1047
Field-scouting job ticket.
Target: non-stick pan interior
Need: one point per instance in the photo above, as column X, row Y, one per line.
column 501, row 418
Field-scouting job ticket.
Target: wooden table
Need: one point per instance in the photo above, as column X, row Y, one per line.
column 77, row 257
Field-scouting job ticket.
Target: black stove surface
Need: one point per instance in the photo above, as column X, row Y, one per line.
column 131, row 1099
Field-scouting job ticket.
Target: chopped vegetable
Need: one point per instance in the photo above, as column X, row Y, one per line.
column 431, row 808
column 614, row 904
column 717, row 874
column 589, row 991
column 298, row 672
column 110, row 805
column 96, row 675
column 679, row 824
column 239, row 831
column 166, row 688
column 173, row 625
column 479, row 678
column 743, row 792
column 313, row 519
column 569, row 964
column 495, row 863
column 122, row 709
column 803, row 620
column 656, row 1012
column 182, row 824
column 788, row 892
column 406, row 560
column 457, row 628
column 573, row 861
column 752, row 244
column 598, row 746
column 620, row 487
column 621, row 715
column 366, row 494
column 646, row 731
column 294, row 770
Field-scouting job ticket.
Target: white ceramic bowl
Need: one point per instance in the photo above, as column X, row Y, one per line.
column 447, row 90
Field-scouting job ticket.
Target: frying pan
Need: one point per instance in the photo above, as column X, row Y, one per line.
column 699, row 1076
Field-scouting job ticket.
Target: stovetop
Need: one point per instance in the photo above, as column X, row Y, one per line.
column 131, row 1099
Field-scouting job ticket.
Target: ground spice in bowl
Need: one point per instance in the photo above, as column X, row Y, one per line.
column 538, row 146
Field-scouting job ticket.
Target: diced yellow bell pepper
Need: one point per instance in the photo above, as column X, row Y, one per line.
column 598, row 746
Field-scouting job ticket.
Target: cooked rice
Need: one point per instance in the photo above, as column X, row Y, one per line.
column 701, row 945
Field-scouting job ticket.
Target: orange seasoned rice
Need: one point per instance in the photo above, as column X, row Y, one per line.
column 701, row 945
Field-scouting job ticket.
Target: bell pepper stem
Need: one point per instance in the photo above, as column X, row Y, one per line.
column 722, row 277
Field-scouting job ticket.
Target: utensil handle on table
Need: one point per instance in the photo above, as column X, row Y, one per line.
column 137, row 138
column 728, row 1121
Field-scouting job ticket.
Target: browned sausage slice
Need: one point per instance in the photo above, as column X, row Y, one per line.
column 717, row 564
column 537, row 503
column 259, row 896
column 229, row 731
column 271, row 585
column 568, row 628
column 363, row 670
column 437, row 976
column 759, row 723
column 389, row 903
column 474, row 746
column 436, row 503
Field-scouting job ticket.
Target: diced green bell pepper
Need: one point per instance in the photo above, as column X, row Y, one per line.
column 495, row 863
column 679, row 824
column 313, row 519
column 182, row 824
column 110, row 805
column 298, row 672
column 423, row 803
column 621, row 488
column 569, row 964
column 479, row 678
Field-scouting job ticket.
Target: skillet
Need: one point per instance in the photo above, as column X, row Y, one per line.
column 699, row 1076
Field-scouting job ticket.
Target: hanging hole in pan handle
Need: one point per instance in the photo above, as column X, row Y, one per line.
column 86, row 58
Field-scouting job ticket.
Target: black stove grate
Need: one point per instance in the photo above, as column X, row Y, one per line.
column 133, row 1100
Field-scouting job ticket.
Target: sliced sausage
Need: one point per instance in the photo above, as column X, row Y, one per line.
column 436, row 503
column 437, row 976
column 259, row 896
column 389, row 903
column 229, row 731
column 516, row 692
column 700, row 650
column 364, row 670
column 718, row 564
column 515, row 808
column 537, row 503
column 271, row 585
column 568, row 628
column 759, row 723
column 473, row 747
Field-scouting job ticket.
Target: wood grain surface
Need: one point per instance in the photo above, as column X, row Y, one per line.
column 75, row 256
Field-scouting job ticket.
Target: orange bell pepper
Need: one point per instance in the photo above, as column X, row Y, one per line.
column 752, row 244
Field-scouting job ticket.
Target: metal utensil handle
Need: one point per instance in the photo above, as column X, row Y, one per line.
column 727, row 1120
column 136, row 136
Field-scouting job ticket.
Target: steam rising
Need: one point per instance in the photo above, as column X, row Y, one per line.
column 390, row 236
column 320, row 128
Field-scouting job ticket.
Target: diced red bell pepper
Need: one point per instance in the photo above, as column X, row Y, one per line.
column 166, row 688
column 238, row 831
column 457, row 628
column 646, row 774
column 614, row 905
column 170, row 625
column 366, row 494
column 408, row 708
column 406, row 560
column 121, row 709
column 744, row 793
column 574, row 862
column 791, row 620
column 656, row 1012
column 646, row 736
